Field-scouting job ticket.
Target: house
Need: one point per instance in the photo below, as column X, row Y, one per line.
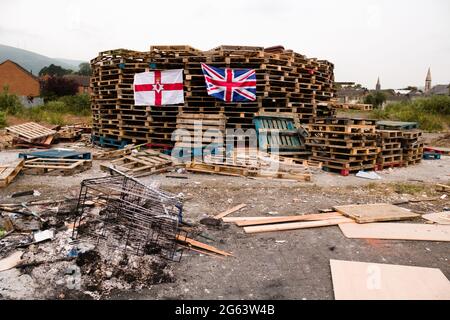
column 352, row 94
column 440, row 90
column 82, row 81
column 19, row 81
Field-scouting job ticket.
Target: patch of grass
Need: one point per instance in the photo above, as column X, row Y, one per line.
column 2, row 119
column 2, row 233
column 56, row 112
column 432, row 114
column 408, row 188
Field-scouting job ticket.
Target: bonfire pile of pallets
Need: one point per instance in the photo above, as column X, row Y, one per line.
column 287, row 82
column 343, row 145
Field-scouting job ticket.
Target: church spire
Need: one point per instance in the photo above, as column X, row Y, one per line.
column 378, row 86
column 428, row 82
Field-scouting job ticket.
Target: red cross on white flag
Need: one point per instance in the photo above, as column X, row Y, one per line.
column 157, row 88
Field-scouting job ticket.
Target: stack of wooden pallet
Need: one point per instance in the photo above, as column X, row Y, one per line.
column 390, row 149
column 286, row 82
column 410, row 138
column 195, row 132
column 343, row 145
column 412, row 147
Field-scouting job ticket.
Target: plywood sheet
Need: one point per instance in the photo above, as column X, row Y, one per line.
column 396, row 231
column 365, row 213
column 374, row 281
column 439, row 217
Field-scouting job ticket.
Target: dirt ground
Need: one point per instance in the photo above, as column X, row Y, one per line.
column 277, row 265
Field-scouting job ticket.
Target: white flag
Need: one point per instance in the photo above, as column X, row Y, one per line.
column 157, row 88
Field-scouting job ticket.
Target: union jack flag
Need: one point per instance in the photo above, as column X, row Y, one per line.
column 230, row 84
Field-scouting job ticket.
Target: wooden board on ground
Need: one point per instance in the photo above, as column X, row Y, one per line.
column 56, row 166
column 271, row 220
column 396, row 231
column 365, row 213
column 201, row 245
column 11, row 261
column 438, row 217
column 443, row 188
column 374, row 281
column 30, row 131
column 229, row 211
column 9, row 171
column 297, row 225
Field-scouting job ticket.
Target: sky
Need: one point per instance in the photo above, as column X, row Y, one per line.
column 397, row 40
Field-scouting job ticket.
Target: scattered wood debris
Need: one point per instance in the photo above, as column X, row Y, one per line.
column 142, row 163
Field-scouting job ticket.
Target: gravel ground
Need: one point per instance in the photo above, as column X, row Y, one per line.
column 278, row 265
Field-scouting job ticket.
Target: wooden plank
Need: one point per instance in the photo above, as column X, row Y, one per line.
column 202, row 245
column 438, row 217
column 443, row 187
column 229, row 211
column 9, row 171
column 365, row 213
column 271, row 220
column 296, row 225
column 396, row 231
column 11, row 261
column 374, row 281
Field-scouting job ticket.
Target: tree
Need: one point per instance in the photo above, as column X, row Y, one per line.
column 376, row 99
column 54, row 87
column 85, row 69
column 53, row 70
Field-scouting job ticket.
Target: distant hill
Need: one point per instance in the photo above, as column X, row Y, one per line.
column 32, row 61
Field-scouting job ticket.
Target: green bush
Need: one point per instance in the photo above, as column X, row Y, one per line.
column 432, row 114
column 9, row 103
column 2, row 119
column 78, row 105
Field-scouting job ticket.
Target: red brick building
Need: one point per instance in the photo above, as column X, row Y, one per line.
column 20, row 81
column 82, row 82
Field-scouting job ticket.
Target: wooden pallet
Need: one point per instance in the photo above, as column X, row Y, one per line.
column 46, row 166
column 141, row 164
column 30, row 132
column 9, row 171
column 69, row 134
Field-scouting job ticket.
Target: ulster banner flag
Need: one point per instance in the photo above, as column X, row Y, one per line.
column 157, row 88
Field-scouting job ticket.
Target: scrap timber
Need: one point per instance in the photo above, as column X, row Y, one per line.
column 8, row 172
column 141, row 163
